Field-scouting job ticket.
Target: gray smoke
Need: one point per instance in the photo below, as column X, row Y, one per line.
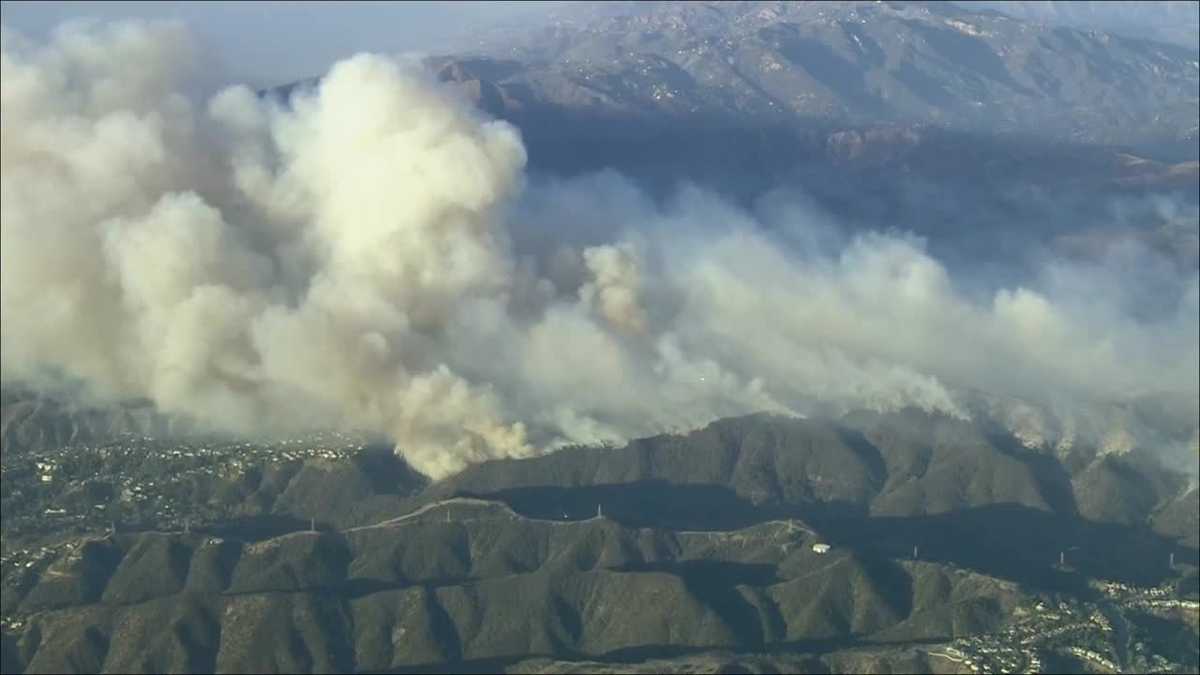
column 348, row 260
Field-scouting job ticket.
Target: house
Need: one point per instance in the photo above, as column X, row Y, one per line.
column 820, row 549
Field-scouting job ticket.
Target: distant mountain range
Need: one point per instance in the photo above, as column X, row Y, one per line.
column 843, row 64
column 1174, row 21
column 919, row 116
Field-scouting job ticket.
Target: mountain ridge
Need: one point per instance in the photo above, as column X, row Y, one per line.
column 851, row 62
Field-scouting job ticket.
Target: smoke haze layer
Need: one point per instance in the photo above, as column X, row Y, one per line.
column 368, row 255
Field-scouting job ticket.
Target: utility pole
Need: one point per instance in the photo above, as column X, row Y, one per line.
column 915, row 550
column 599, row 511
column 312, row 524
column 1171, row 564
column 1062, row 558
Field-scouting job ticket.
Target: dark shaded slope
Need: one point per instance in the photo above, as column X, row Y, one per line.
column 906, row 463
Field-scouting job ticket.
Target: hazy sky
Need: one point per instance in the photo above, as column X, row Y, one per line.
column 275, row 42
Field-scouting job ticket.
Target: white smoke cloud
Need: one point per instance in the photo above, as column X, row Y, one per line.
column 366, row 257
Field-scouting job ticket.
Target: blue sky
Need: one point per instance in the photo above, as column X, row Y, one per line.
column 267, row 43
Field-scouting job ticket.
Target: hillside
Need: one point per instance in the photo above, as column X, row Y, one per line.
column 472, row 581
column 693, row 551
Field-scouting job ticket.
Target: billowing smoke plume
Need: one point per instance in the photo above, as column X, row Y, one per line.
column 347, row 259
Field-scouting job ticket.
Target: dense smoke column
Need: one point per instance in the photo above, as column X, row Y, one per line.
column 345, row 259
